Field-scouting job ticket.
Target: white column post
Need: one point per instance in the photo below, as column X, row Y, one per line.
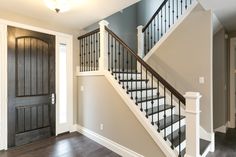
column 192, row 124
column 103, row 46
column 140, row 41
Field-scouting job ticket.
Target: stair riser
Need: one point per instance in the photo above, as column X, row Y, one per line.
column 175, row 127
column 127, row 76
column 139, row 84
column 161, row 114
column 182, row 146
column 149, row 104
column 144, row 93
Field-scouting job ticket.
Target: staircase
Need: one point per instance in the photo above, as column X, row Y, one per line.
column 165, row 108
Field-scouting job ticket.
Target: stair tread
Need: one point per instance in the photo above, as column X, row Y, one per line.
column 159, row 108
column 141, row 89
column 168, row 121
column 175, row 135
column 129, row 80
column 203, row 146
column 149, row 98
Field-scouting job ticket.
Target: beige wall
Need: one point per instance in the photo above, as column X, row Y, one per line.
column 220, row 79
column 100, row 103
column 4, row 14
column 187, row 55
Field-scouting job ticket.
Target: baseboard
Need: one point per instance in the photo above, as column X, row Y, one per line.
column 209, row 137
column 221, row 129
column 115, row 147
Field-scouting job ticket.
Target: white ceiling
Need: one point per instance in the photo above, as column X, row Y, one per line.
column 82, row 13
column 225, row 10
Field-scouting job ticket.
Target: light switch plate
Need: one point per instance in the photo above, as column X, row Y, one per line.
column 201, row 80
column 82, row 88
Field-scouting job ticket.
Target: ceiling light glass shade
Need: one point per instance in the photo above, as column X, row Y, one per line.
column 58, row 5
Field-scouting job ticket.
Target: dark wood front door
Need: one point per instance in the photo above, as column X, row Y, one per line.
column 31, row 83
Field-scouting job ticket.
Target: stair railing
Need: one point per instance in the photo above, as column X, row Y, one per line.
column 123, row 60
column 89, row 51
column 113, row 55
column 162, row 20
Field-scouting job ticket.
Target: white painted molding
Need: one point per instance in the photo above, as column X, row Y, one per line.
column 209, row 137
column 221, row 129
column 3, row 85
column 140, row 36
column 170, row 31
column 115, row 147
column 192, row 124
column 165, row 146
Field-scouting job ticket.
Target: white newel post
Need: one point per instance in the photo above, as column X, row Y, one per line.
column 103, row 46
column 192, row 124
column 140, row 41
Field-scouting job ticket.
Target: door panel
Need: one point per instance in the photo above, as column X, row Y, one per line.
column 31, row 81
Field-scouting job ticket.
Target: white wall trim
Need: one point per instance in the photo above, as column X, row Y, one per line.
column 3, row 85
column 221, row 129
column 170, row 31
column 89, row 73
column 232, row 83
column 115, row 147
column 68, row 41
column 3, row 60
column 152, row 130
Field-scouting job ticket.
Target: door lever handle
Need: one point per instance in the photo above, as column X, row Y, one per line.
column 52, row 97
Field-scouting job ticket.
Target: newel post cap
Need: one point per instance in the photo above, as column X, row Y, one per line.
column 103, row 23
column 140, row 28
column 192, row 95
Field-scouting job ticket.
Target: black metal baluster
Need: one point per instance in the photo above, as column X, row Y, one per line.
column 158, row 28
column 148, row 39
column 152, row 98
column 145, row 42
column 173, row 11
column 119, row 63
column 131, row 69
column 97, row 52
column 94, row 54
column 141, row 69
column 165, row 112
column 146, row 93
column 115, row 61
column 181, row 7
column 112, row 60
column 169, row 13
column 165, row 21
column 80, row 55
column 127, row 71
column 109, row 53
column 89, row 57
column 86, row 53
column 136, row 85
column 161, row 24
column 84, row 57
column 177, row 9
column 179, row 128
column 154, row 30
column 171, row 99
column 186, row 4
column 158, row 103
column 151, row 36
column 123, row 66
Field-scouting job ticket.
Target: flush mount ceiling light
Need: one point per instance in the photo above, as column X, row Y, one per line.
column 58, row 5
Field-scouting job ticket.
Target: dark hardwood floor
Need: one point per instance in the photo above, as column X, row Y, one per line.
column 68, row 145
column 225, row 144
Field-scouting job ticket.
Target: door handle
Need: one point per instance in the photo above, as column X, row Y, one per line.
column 52, row 98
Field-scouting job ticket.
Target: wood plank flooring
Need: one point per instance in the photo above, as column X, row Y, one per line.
column 225, row 144
column 68, row 145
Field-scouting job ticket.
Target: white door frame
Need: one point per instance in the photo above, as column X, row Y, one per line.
column 231, row 123
column 3, row 74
